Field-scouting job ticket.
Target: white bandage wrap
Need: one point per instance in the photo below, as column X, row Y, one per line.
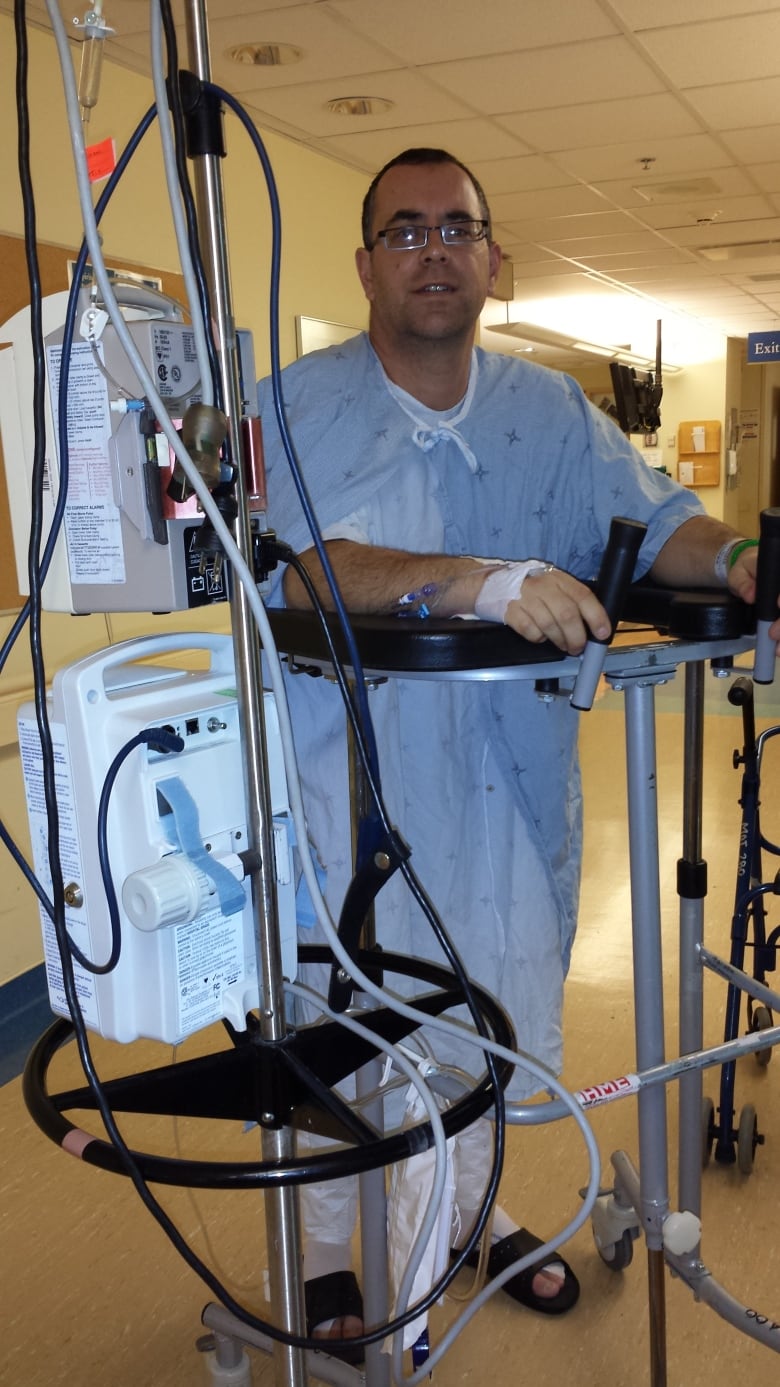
column 504, row 585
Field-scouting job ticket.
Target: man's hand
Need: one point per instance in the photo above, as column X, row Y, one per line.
column 742, row 575
column 554, row 606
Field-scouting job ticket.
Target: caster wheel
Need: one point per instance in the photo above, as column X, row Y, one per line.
column 617, row 1256
column 762, row 1021
column 707, row 1130
column 747, row 1139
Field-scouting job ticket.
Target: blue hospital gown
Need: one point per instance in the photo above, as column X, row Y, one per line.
column 482, row 778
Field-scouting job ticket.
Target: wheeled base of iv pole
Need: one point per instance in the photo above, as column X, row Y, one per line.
column 289, row 1084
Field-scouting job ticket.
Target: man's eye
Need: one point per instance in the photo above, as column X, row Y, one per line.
column 404, row 235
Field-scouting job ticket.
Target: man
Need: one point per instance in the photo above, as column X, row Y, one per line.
column 452, row 480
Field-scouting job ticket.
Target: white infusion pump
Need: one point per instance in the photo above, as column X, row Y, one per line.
column 125, row 543
column 176, row 827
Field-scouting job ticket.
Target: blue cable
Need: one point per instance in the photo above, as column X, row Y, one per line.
column 361, row 695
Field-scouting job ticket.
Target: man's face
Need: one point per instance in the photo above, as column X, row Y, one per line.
column 434, row 293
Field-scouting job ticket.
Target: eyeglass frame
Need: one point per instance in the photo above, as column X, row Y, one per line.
column 441, row 228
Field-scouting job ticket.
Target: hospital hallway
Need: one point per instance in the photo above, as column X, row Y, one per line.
column 93, row 1294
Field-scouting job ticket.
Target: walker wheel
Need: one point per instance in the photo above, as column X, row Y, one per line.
column 617, row 1256
column 747, row 1139
column 707, row 1130
column 761, row 1020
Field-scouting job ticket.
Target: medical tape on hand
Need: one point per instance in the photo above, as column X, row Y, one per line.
column 504, row 585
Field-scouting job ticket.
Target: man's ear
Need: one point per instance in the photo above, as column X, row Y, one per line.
column 365, row 272
column 495, row 258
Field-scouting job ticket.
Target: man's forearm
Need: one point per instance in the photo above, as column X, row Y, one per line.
column 688, row 557
column 372, row 579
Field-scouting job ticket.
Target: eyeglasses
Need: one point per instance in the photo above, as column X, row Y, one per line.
column 464, row 233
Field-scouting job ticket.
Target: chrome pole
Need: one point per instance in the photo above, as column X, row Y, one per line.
column 278, row 1144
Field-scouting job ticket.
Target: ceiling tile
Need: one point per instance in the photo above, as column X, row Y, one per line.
column 715, row 211
column 545, row 202
column 620, row 266
column 328, row 49
column 466, row 139
column 548, row 77
column 518, row 175
column 584, row 246
column 767, row 176
column 757, row 145
column 687, row 154
column 414, row 101
column 721, row 50
column 431, row 33
column 728, row 233
column 549, row 229
column 551, row 272
column 735, row 105
column 601, row 122
column 731, row 182
column 640, row 16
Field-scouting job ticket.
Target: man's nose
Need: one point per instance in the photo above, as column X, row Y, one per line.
column 436, row 246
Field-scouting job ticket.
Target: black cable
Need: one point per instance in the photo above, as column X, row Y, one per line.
column 59, row 508
column 47, row 753
column 159, row 739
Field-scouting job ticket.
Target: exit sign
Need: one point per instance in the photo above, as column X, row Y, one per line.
column 763, row 346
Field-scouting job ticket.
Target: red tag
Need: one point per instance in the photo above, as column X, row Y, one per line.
column 101, row 160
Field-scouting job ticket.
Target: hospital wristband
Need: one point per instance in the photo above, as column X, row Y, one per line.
column 504, row 585
column 727, row 556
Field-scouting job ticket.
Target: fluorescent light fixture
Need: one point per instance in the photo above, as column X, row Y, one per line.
column 565, row 342
column 593, row 349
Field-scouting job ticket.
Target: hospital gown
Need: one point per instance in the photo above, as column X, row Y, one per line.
column 481, row 778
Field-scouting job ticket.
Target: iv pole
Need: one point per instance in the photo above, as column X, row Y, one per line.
column 278, row 1143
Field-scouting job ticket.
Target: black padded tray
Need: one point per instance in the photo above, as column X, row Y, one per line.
column 405, row 643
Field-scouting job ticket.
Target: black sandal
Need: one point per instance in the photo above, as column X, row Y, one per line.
column 330, row 1297
column 502, row 1254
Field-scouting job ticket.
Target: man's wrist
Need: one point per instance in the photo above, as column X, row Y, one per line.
column 727, row 556
column 504, row 585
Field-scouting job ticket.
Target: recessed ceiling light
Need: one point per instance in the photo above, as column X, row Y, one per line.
column 359, row 105
column 264, row 54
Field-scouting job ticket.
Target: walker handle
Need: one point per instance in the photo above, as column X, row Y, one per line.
column 611, row 587
column 767, row 589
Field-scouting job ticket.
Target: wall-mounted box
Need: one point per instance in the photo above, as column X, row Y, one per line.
column 698, row 458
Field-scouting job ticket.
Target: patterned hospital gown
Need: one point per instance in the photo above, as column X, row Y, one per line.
column 481, row 777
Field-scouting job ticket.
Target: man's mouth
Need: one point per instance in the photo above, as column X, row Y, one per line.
column 436, row 289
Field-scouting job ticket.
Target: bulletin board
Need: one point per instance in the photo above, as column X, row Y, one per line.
column 15, row 295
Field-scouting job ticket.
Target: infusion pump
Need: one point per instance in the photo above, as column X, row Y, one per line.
column 176, row 829
column 125, row 545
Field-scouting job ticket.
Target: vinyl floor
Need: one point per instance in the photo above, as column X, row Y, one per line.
column 94, row 1294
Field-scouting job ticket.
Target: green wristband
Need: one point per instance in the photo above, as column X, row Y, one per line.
column 739, row 549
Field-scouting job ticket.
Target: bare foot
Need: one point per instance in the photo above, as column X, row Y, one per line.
column 343, row 1327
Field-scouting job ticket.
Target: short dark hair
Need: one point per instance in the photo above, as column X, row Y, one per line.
column 418, row 156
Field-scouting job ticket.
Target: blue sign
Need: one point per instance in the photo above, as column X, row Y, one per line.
column 763, row 346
